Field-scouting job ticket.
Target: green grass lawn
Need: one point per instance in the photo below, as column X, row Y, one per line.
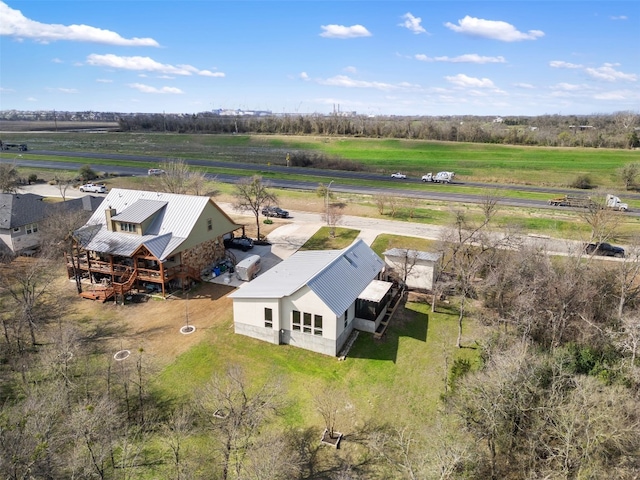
column 397, row 380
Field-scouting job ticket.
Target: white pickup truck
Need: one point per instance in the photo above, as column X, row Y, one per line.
column 94, row 188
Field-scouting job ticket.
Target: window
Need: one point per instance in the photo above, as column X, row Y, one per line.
column 306, row 326
column 296, row 320
column 346, row 318
column 16, row 229
column 128, row 227
column 209, row 224
column 317, row 325
column 268, row 318
column 31, row 228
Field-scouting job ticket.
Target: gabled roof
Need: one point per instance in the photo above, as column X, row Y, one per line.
column 20, row 209
column 174, row 219
column 417, row 254
column 336, row 276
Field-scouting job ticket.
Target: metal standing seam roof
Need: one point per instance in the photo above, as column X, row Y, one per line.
column 336, row 276
column 176, row 217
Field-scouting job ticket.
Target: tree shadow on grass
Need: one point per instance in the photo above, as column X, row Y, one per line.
column 403, row 323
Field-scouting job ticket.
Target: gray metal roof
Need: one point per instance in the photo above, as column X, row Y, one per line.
column 139, row 211
column 336, row 276
column 417, row 254
column 175, row 219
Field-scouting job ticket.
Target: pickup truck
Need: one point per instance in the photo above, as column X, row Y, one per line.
column 94, row 188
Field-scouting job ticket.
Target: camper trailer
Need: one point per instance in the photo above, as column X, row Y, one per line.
column 248, row 268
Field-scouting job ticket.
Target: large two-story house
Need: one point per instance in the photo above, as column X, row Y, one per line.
column 150, row 241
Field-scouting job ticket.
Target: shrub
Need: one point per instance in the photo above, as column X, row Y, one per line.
column 86, row 173
column 583, row 182
column 33, row 178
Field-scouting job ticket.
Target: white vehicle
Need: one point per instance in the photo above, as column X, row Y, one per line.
column 440, row 177
column 398, row 175
column 155, row 171
column 94, row 188
column 614, row 203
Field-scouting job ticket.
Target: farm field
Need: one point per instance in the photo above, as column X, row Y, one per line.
column 471, row 162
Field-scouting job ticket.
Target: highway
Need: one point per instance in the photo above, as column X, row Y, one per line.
column 420, row 190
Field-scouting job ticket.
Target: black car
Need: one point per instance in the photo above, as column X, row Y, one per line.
column 275, row 212
column 604, row 249
column 240, row 243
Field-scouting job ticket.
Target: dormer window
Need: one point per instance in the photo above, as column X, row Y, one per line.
column 128, row 227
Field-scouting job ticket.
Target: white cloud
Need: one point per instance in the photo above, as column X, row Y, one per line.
column 16, row 25
column 146, row 64
column 608, row 73
column 32, row 99
column 462, row 80
column 104, row 80
column 569, row 87
column 352, row 70
column 412, row 23
column 619, row 17
column 494, row 29
column 149, row 89
column 523, row 85
column 345, row 81
column 466, row 58
column 56, row 60
column 62, row 90
column 6, row 90
column 563, row 64
column 340, row 31
column 304, row 76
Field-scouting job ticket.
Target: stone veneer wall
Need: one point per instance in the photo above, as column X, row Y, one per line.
column 204, row 254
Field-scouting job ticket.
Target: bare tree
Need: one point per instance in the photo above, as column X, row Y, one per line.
column 381, row 201
column 629, row 173
column 333, row 216
column 27, row 285
column 63, row 182
column 236, row 412
column 8, row 178
column 175, row 432
column 404, row 265
column 603, row 221
column 252, row 194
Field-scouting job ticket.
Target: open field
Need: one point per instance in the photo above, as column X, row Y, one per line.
column 471, row 161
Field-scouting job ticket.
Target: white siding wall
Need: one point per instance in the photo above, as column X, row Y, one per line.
column 248, row 316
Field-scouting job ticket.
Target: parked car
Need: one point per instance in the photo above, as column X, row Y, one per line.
column 275, row 212
column 240, row 243
column 604, row 249
column 94, row 188
column 155, row 171
column 398, row 175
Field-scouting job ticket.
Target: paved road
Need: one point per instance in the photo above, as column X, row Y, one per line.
column 287, row 239
column 438, row 192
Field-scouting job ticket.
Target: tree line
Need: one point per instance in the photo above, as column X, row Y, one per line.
column 617, row 130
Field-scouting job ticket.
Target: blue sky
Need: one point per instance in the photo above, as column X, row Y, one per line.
column 372, row 57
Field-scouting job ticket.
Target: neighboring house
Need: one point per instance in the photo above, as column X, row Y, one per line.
column 314, row 299
column 414, row 268
column 22, row 216
column 149, row 241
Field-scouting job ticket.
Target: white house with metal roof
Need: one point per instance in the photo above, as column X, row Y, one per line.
column 414, row 268
column 314, row 299
column 151, row 239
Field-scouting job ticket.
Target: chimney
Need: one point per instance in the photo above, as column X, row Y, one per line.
column 110, row 212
